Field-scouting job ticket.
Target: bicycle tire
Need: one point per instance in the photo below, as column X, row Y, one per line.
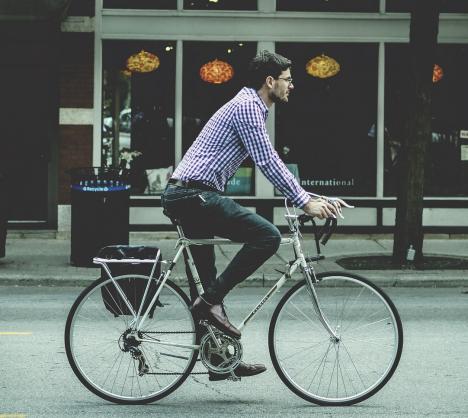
column 387, row 330
column 84, row 330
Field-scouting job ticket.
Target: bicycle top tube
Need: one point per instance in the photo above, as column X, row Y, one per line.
column 223, row 241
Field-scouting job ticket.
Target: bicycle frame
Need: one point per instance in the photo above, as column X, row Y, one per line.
column 183, row 244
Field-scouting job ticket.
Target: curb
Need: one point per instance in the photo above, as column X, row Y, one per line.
column 390, row 279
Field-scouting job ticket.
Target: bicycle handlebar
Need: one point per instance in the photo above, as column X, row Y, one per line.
column 323, row 235
column 328, row 228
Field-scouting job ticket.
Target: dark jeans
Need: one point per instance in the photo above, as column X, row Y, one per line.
column 204, row 214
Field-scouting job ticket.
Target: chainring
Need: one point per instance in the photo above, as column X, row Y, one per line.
column 223, row 359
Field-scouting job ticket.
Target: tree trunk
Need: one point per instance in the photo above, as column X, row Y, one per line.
column 423, row 44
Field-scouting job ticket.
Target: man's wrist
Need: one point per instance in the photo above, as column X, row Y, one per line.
column 302, row 200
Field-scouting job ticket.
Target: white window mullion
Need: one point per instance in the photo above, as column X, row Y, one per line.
column 97, row 95
column 178, row 103
column 266, row 6
column 263, row 188
column 382, row 6
column 380, row 121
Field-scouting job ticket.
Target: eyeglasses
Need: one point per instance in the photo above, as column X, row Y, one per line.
column 289, row 80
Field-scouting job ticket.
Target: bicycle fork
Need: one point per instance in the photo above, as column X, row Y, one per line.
column 311, row 278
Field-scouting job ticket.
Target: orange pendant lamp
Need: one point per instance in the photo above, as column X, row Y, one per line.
column 322, row 67
column 216, row 72
column 143, row 62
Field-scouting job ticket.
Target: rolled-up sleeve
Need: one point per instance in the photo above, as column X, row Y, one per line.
column 249, row 123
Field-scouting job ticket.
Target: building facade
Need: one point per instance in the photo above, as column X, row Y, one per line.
column 340, row 134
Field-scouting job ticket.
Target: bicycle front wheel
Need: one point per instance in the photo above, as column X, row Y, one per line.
column 107, row 355
column 322, row 369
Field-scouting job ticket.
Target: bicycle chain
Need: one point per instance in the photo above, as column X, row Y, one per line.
column 168, row 332
column 172, row 332
column 176, row 374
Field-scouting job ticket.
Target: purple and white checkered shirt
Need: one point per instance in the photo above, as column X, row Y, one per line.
column 234, row 132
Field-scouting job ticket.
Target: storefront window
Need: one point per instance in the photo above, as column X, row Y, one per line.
column 138, row 113
column 448, row 6
column 140, row 4
column 220, row 4
column 326, row 133
column 202, row 98
column 446, row 172
column 328, row 5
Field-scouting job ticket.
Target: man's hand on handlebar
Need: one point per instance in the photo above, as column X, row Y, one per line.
column 320, row 208
column 324, row 207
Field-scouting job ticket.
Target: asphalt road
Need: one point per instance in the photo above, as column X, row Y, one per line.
column 36, row 380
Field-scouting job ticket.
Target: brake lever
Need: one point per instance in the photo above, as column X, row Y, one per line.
column 338, row 203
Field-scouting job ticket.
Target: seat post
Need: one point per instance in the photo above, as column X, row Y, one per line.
column 178, row 225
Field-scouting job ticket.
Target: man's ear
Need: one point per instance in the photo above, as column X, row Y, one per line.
column 269, row 81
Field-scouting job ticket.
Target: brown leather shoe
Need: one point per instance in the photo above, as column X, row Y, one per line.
column 215, row 315
column 242, row 370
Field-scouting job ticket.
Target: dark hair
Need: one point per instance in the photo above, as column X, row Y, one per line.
column 265, row 64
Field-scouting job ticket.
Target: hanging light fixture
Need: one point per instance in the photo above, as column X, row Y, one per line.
column 322, row 67
column 437, row 74
column 216, row 72
column 143, row 62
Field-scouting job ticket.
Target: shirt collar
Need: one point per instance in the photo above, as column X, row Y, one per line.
column 253, row 93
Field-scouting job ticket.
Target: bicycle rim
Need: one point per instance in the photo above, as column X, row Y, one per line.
column 329, row 372
column 104, row 360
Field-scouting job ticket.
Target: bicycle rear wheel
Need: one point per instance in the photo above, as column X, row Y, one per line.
column 114, row 365
column 342, row 372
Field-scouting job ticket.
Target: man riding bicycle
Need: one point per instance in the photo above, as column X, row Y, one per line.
column 194, row 193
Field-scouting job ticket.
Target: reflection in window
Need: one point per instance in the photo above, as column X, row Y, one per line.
column 446, row 172
column 328, row 5
column 326, row 131
column 201, row 99
column 138, row 114
column 448, row 6
column 220, row 4
column 140, row 4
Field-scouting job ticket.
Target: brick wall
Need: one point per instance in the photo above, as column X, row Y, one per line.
column 76, row 70
column 76, row 92
column 76, row 145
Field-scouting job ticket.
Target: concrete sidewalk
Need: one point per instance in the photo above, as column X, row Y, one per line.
column 40, row 258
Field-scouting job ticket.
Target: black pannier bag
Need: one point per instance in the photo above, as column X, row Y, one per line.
column 132, row 287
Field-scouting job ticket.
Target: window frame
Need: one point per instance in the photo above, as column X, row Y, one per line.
column 266, row 26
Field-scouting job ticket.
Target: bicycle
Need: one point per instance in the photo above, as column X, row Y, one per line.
column 334, row 339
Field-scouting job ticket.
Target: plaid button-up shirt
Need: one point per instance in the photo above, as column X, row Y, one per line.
column 235, row 131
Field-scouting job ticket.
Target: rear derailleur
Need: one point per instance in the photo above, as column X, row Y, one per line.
column 129, row 344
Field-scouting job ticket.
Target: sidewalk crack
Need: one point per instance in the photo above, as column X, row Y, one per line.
column 379, row 244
